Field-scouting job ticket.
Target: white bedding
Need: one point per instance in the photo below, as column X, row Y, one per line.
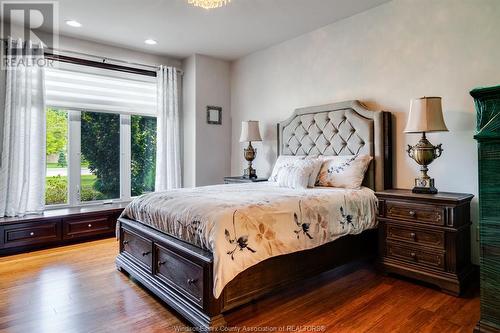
column 244, row 224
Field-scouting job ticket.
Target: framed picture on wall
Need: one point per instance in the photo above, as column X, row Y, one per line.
column 214, row 115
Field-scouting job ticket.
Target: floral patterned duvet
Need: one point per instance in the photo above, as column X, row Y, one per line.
column 244, row 224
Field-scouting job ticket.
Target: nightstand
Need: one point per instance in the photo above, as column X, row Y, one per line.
column 426, row 237
column 236, row 180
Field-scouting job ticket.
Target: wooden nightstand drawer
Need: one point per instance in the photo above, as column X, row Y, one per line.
column 416, row 236
column 415, row 255
column 414, row 212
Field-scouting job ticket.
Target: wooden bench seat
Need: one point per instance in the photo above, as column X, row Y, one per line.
column 58, row 227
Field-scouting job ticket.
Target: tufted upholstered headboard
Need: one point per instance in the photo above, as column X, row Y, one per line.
column 345, row 128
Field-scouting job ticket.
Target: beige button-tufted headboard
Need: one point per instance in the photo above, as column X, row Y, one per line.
column 345, row 128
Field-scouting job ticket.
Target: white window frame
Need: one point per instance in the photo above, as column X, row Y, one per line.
column 125, row 158
column 74, row 162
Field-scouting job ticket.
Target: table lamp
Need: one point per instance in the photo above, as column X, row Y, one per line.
column 426, row 115
column 250, row 132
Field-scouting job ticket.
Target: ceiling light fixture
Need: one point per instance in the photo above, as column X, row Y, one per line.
column 73, row 23
column 150, row 41
column 209, row 4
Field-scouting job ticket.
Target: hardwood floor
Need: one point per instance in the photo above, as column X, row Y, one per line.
column 77, row 289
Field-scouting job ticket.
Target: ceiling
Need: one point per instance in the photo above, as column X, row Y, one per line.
column 240, row 28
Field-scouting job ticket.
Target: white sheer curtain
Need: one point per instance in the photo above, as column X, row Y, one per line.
column 168, row 160
column 22, row 164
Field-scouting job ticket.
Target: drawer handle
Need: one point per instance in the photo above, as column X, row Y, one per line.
column 90, row 225
column 412, row 213
column 32, row 233
column 192, row 281
column 145, row 253
column 413, row 235
column 413, row 255
column 161, row 263
column 125, row 242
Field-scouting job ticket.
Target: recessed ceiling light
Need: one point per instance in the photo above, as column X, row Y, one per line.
column 73, row 23
column 150, row 42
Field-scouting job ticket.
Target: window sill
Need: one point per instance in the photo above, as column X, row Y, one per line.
column 102, row 204
column 57, row 212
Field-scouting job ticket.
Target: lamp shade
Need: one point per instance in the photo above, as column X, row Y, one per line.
column 426, row 115
column 250, row 131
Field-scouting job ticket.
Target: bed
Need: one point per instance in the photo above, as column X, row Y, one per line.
column 207, row 250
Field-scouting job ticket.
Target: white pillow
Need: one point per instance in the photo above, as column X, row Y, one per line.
column 299, row 162
column 283, row 161
column 344, row 171
column 296, row 177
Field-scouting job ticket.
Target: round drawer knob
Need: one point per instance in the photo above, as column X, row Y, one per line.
column 90, row 225
column 413, row 255
column 125, row 242
column 192, row 281
column 412, row 213
column 32, row 233
column 413, row 235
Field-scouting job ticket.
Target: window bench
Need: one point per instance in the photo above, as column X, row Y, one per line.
column 58, row 227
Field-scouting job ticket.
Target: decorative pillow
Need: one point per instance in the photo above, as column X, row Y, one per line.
column 281, row 162
column 344, row 171
column 296, row 177
column 299, row 162
column 314, row 175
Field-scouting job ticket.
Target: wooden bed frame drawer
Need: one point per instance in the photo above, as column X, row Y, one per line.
column 94, row 225
column 414, row 212
column 138, row 248
column 31, row 233
column 415, row 235
column 185, row 276
column 417, row 256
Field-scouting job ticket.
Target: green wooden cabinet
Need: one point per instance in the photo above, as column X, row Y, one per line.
column 487, row 101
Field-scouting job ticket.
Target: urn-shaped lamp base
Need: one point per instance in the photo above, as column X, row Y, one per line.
column 250, row 152
column 424, row 153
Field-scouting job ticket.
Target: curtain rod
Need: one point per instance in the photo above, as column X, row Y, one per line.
column 107, row 59
column 100, row 64
column 99, row 58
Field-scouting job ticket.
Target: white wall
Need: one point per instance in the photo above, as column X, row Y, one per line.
column 383, row 57
column 207, row 147
column 213, row 142
column 107, row 51
column 103, row 50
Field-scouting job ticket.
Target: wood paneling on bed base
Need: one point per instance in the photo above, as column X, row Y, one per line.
column 145, row 251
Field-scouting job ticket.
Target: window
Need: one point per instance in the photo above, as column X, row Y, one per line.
column 100, row 156
column 56, row 183
column 101, row 135
column 143, row 138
